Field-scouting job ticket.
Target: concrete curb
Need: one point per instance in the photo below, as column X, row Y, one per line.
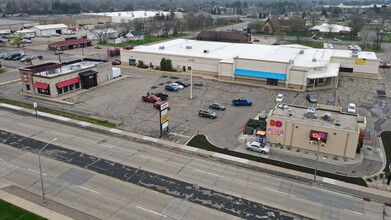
column 346, row 188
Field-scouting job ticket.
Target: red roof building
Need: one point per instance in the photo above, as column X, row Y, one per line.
column 70, row 44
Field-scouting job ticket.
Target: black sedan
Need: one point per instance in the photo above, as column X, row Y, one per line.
column 217, row 106
column 183, row 83
column 311, row 98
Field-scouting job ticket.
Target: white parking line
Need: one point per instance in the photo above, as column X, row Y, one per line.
column 115, row 131
column 354, row 212
column 35, row 171
column 278, row 191
column 149, row 157
column 156, row 213
column 89, row 190
column 180, row 135
column 84, row 124
column 150, row 139
column 207, row 172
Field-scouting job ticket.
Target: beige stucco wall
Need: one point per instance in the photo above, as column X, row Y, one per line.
column 371, row 66
column 297, row 77
column 226, row 69
column 104, row 69
column 52, row 82
column 257, row 65
column 339, row 142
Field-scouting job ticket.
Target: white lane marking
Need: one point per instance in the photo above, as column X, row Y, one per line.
column 207, row 172
column 52, row 116
column 89, row 190
column 11, row 106
column 180, row 135
column 150, row 139
column 278, row 191
column 149, row 157
column 156, row 213
column 228, row 157
column 106, row 145
column 328, row 180
column 354, row 212
column 185, row 147
column 24, row 125
column 84, row 124
column 35, row 171
column 115, row 131
column 58, row 133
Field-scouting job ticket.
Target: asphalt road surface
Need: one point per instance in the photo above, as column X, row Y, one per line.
column 184, row 183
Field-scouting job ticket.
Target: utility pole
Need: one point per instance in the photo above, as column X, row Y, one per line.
column 44, row 202
column 191, row 78
column 317, row 159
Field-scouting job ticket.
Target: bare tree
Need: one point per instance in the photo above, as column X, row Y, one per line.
column 298, row 27
column 314, row 16
column 379, row 37
column 356, row 23
column 364, row 34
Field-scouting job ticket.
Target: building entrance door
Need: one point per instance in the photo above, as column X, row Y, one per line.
column 184, row 68
column 272, row 82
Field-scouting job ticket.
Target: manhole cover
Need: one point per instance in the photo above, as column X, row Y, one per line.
column 160, row 84
column 164, row 76
column 174, row 77
column 381, row 92
column 153, row 87
column 198, row 84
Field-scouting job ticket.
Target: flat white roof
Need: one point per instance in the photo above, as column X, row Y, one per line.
column 325, row 28
column 68, row 68
column 132, row 14
column 50, row 26
column 332, row 70
column 361, row 54
column 227, row 51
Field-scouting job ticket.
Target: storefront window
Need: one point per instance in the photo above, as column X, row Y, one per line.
column 320, row 80
column 44, row 91
column 77, row 85
column 72, row 87
column 66, row 89
column 59, row 90
column 27, row 87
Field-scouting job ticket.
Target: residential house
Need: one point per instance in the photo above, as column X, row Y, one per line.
column 274, row 25
column 135, row 35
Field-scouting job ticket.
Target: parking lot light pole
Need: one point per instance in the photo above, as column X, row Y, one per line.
column 191, row 78
column 59, row 55
column 40, row 171
column 317, row 159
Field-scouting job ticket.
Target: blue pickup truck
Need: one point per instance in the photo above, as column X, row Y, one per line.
column 240, row 102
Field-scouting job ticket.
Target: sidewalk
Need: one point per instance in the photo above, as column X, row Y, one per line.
column 356, row 190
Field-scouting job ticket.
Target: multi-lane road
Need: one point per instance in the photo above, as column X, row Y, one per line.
column 106, row 177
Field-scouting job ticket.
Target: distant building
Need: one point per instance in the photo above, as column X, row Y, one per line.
column 102, row 34
column 330, row 29
column 135, row 35
column 126, row 16
column 223, row 36
column 70, row 44
column 49, row 29
column 274, row 25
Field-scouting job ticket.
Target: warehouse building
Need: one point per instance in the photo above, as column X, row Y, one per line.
column 49, row 29
column 335, row 132
column 284, row 66
column 54, row 79
column 70, row 44
column 126, row 16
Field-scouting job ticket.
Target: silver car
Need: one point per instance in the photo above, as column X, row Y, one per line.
column 256, row 146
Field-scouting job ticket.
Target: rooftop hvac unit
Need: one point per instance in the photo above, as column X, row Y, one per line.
column 326, row 116
column 75, row 67
column 355, row 55
column 161, row 48
column 189, row 47
column 291, row 61
column 337, row 122
column 301, row 52
column 119, row 14
column 206, row 51
column 313, row 59
column 310, row 113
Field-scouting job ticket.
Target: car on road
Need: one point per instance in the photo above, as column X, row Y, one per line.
column 161, row 95
column 56, row 34
column 57, row 52
column 150, row 98
column 171, row 88
column 157, row 105
column 26, row 41
column 384, row 64
column 330, row 102
column 279, row 98
column 242, row 102
column 311, row 98
column 352, row 108
column 116, row 62
column 178, row 85
column 217, row 106
column 182, row 83
column 256, row 146
column 207, row 113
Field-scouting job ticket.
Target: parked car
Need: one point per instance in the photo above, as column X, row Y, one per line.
column 98, row 47
column 352, row 108
column 256, row 146
column 171, row 88
column 36, row 57
column 56, row 34
column 217, row 106
column 384, row 64
column 5, row 36
column 178, row 85
column 161, row 95
column 182, row 83
column 157, row 105
column 207, row 113
column 25, row 58
column 2, row 56
column 330, row 102
column 17, row 58
column 57, row 52
column 150, row 98
column 311, row 98
column 12, row 56
column 26, row 41
column 320, row 38
column 336, row 39
column 116, row 62
column 241, row 102
column 45, row 35
column 279, row 98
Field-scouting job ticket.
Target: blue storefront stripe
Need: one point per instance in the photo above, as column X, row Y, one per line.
column 260, row 74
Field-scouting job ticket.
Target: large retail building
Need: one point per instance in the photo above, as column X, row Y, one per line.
column 54, row 79
column 289, row 66
column 335, row 132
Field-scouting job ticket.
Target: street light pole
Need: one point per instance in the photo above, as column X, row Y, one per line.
column 59, row 54
column 40, row 172
column 191, row 78
column 317, row 159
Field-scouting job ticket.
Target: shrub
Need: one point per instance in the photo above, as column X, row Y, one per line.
column 141, row 64
column 165, row 64
column 381, row 175
column 369, row 179
column 335, row 158
column 298, row 150
column 375, row 177
column 289, row 148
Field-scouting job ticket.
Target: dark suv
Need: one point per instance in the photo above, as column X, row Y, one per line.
column 207, row 113
column 217, row 106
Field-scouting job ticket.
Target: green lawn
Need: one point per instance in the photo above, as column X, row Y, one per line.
column 307, row 43
column 11, row 212
column 200, row 141
column 386, row 138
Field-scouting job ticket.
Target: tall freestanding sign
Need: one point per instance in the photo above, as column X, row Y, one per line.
column 163, row 117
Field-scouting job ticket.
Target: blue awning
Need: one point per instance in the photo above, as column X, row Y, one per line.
column 260, row 74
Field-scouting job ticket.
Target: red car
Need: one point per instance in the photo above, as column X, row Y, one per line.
column 384, row 64
column 116, row 62
column 151, row 98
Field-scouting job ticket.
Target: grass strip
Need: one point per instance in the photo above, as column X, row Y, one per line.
column 200, row 141
column 386, row 138
column 59, row 113
column 11, row 212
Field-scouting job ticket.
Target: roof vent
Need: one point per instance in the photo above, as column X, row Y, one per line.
column 326, row 116
column 291, row 61
column 301, row 52
column 206, row 51
column 161, row 48
column 313, row 59
column 337, row 122
column 310, row 113
column 189, row 47
column 290, row 112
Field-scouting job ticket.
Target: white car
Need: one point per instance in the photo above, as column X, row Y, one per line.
column 45, row 35
column 279, row 98
column 26, row 41
column 55, row 34
column 352, row 108
column 177, row 85
column 256, row 146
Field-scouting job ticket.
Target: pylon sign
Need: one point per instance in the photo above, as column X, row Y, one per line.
column 163, row 117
